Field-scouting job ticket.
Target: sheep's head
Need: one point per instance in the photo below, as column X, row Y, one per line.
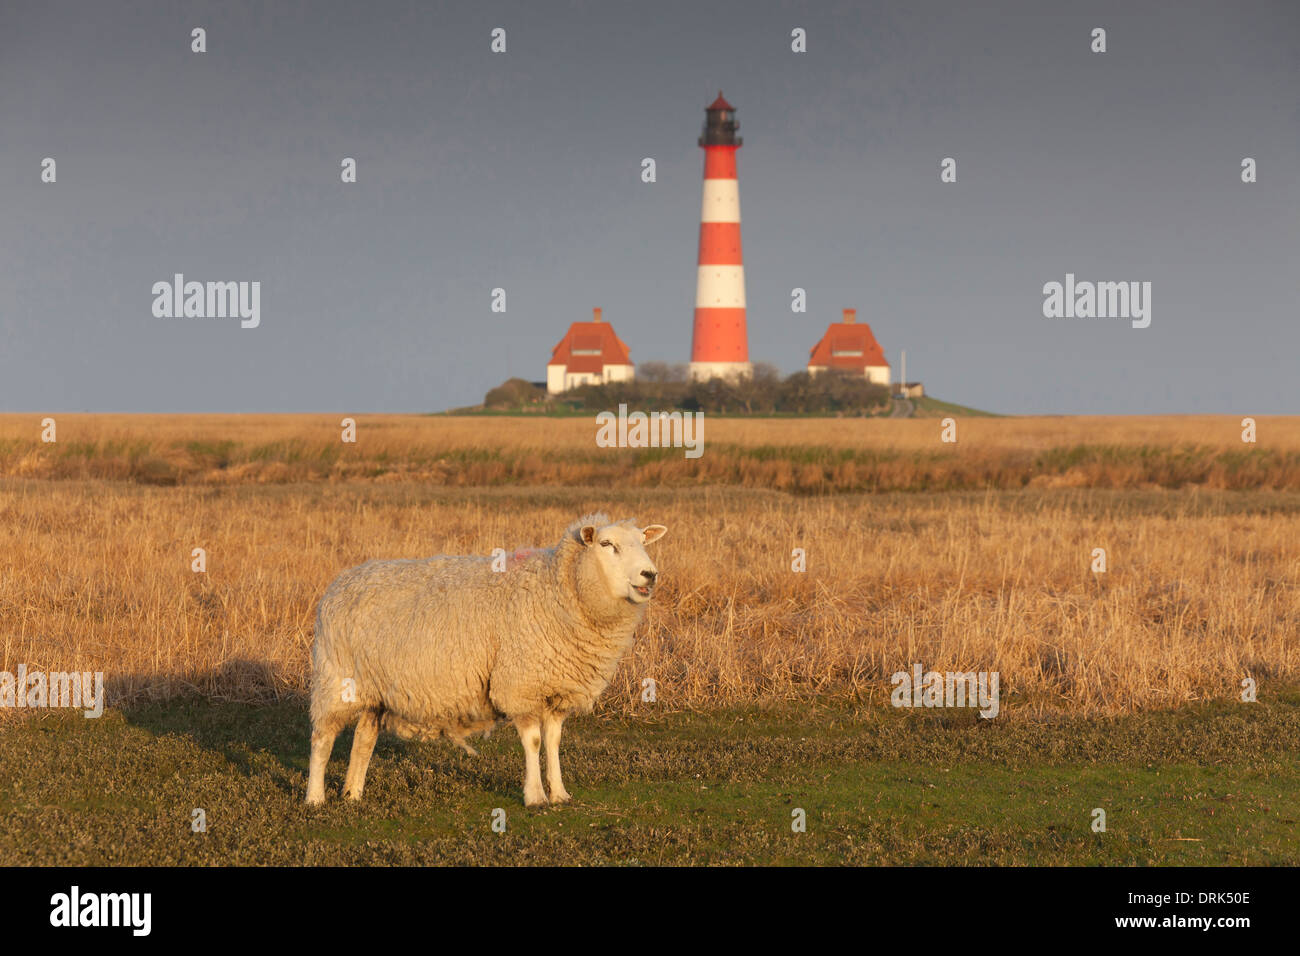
column 618, row 550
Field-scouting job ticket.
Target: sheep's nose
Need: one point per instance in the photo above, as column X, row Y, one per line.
column 650, row 576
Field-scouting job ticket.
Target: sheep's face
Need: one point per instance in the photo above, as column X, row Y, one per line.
column 619, row 552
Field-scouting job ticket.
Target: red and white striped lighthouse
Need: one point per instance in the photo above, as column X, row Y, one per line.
column 720, row 344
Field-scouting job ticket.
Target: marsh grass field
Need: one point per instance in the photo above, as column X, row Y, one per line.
column 1118, row 689
column 796, row 455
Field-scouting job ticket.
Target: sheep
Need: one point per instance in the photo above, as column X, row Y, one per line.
column 448, row 646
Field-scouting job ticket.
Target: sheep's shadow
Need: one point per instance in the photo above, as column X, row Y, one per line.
column 242, row 734
column 274, row 736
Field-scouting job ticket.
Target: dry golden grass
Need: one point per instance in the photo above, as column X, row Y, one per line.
column 1203, row 587
column 797, row 455
column 396, row 434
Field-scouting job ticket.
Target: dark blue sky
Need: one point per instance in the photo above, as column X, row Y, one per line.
column 522, row 171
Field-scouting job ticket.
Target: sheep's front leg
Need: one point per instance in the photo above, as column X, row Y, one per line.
column 530, row 735
column 551, row 724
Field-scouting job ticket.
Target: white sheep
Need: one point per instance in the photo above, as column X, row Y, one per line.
column 448, row 646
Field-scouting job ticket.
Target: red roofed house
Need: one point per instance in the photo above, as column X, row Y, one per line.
column 850, row 347
column 589, row 354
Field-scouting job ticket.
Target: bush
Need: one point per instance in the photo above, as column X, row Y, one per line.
column 515, row 393
column 664, row 387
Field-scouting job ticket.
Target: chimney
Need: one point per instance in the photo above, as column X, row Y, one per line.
column 850, row 316
column 595, row 315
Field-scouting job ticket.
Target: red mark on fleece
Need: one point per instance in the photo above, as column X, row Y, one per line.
column 521, row 555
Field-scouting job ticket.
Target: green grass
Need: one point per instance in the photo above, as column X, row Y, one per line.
column 1210, row 784
column 928, row 406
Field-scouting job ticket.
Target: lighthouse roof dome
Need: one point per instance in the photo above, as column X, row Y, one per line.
column 720, row 104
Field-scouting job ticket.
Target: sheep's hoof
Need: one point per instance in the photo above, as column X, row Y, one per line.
column 535, row 800
column 315, row 801
column 560, row 796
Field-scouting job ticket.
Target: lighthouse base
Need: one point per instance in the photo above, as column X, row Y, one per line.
column 732, row 371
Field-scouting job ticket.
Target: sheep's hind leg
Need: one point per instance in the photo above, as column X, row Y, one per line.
column 323, row 732
column 460, row 741
column 363, row 745
column 530, row 735
column 551, row 725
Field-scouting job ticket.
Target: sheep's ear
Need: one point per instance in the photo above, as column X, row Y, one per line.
column 587, row 534
column 653, row 533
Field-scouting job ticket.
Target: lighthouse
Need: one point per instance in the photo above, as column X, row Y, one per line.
column 720, row 342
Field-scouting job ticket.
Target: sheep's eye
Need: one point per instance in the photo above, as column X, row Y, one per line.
column 610, row 544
